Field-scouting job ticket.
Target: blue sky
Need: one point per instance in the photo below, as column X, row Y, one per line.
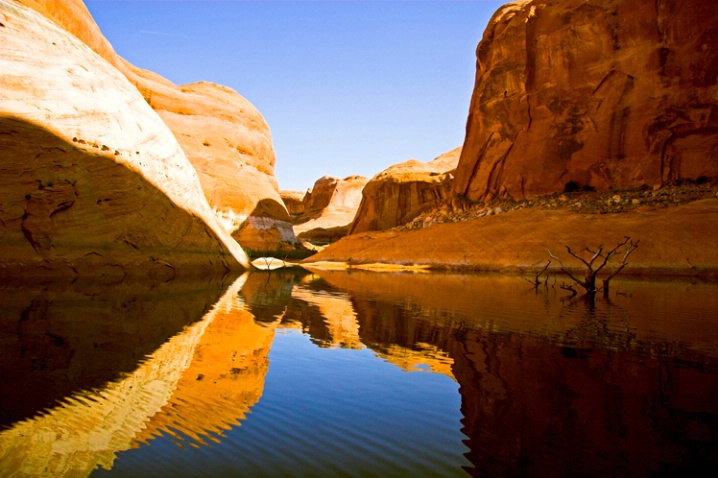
column 347, row 87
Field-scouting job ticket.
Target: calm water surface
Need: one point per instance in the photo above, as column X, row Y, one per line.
column 358, row 374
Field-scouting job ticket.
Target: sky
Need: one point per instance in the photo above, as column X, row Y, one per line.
column 346, row 87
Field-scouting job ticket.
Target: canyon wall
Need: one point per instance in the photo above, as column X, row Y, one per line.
column 329, row 208
column 93, row 181
column 611, row 93
column 401, row 192
column 224, row 136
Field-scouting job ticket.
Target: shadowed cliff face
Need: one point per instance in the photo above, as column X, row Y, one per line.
column 604, row 94
column 71, row 209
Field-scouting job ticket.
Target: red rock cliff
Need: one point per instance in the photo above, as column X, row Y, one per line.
column 606, row 93
column 401, row 192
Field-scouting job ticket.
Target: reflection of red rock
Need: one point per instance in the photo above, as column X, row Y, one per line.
column 532, row 408
column 602, row 405
column 606, row 94
column 92, row 177
column 329, row 208
column 403, row 191
column 224, row 136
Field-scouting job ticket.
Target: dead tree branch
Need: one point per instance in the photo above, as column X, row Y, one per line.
column 596, row 263
column 536, row 282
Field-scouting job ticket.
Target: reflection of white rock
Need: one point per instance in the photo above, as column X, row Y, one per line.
column 429, row 358
column 338, row 313
column 88, row 428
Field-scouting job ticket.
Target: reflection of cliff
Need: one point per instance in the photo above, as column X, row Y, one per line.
column 338, row 314
column 533, row 408
column 87, row 428
column 60, row 339
column 224, row 379
column 559, row 388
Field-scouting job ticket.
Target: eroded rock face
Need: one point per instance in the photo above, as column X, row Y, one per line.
column 330, row 207
column 293, row 201
column 92, row 180
column 615, row 93
column 224, row 136
column 230, row 146
column 403, row 191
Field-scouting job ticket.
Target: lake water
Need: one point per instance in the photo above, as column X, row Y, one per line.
column 358, row 374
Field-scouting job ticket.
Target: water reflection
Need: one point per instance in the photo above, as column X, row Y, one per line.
column 553, row 387
column 78, row 361
column 548, row 386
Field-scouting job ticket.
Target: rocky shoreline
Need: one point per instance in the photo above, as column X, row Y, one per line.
column 677, row 227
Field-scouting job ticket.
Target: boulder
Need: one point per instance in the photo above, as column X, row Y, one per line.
column 92, row 180
column 604, row 94
column 224, row 136
column 329, row 208
column 403, row 191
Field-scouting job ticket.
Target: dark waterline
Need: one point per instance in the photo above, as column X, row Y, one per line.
column 359, row 374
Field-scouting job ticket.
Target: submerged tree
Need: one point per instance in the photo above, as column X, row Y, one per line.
column 596, row 263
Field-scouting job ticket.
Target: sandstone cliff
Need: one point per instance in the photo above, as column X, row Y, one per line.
column 230, row 146
column 329, row 208
column 403, row 191
column 604, row 94
column 93, row 181
column 224, row 136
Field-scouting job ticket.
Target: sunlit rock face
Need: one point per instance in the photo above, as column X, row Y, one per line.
column 93, row 181
column 403, row 191
column 224, row 136
column 329, row 208
column 605, row 94
column 230, row 146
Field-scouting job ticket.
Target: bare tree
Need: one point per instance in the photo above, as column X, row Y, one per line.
column 536, row 281
column 596, row 263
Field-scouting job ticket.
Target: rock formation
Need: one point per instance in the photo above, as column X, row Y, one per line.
column 593, row 93
column 293, row 201
column 329, row 208
column 403, row 191
column 674, row 240
column 93, row 181
column 229, row 143
column 224, row 136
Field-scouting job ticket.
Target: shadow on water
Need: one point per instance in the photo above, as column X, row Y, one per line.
column 548, row 386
